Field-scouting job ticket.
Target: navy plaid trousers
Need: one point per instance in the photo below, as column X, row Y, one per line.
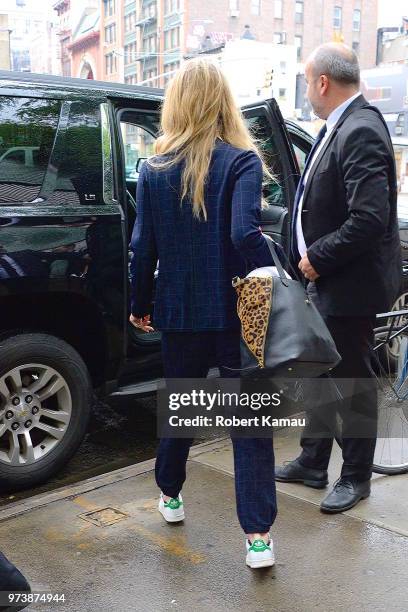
column 190, row 355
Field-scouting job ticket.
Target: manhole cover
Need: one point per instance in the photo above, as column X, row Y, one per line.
column 104, row 517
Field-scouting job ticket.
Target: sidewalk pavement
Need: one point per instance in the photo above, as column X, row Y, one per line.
column 103, row 543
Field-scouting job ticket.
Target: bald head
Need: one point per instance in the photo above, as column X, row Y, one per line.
column 332, row 76
column 338, row 62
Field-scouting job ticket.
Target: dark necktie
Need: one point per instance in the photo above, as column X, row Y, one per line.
column 300, row 189
column 321, row 134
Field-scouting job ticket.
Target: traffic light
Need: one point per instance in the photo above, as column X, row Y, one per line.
column 268, row 78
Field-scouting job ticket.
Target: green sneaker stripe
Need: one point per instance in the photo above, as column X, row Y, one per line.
column 259, row 546
column 174, row 503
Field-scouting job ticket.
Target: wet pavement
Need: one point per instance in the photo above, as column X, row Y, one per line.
column 104, row 545
column 121, row 432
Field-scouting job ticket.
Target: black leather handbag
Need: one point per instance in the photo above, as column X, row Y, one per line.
column 282, row 332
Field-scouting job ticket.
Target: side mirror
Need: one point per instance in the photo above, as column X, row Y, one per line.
column 140, row 163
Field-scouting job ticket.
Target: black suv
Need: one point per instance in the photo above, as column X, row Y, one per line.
column 70, row 154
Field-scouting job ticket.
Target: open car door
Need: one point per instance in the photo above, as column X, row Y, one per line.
column 267, row 125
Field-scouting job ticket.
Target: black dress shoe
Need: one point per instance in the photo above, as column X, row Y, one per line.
column 294, row 471
column 11, row 581
column 345, row 495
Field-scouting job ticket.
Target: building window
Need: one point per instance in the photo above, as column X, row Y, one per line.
column 66, row 68
column 299, row 12
column 149, row 11
column 356, row 47
column 298, row 45
column 172, row 39
column 171, row 6
column 131, row 79
column 109, row 8
column 130, row 53
column 356, row 20
column 233, row 5
column 110, row 63
column 110, row 33
column 278, row 38
column 283, row 67
column 169, row 70
column 256, row 7
column 337, row 17
column 149, row 77
column 130, row 21
column 282, row 94
column 64, row 46
column 150, row 44
column 278, row 9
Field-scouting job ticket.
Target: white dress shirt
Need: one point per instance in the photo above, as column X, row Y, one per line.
column 332, row 119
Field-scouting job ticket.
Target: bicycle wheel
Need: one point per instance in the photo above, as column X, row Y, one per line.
column 391, row 451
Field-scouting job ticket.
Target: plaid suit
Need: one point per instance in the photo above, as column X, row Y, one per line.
column 197, row 259
column 195, row 304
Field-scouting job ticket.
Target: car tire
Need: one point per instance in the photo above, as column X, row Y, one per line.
column 49, row 386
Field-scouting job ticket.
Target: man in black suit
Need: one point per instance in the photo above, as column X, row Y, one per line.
column 345, row 243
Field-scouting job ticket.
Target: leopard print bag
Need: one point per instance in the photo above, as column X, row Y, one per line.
column 253, row 308
column 282, row 332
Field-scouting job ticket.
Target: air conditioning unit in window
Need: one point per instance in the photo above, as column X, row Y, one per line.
column 234, row 13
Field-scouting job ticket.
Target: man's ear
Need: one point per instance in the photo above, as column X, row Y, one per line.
column 324, row 84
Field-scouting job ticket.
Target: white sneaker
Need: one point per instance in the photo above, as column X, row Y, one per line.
column 172, row 510
column 259, row 554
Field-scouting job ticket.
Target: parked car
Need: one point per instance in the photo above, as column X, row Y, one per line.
column 65, row 225
column 21, row 155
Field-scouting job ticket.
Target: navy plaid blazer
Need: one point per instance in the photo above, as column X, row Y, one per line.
column 197, row 259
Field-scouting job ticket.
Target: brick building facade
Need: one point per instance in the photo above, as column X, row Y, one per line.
column 145, row 40
column 170, row 29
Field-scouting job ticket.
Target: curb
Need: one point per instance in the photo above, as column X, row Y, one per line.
column 90, row 484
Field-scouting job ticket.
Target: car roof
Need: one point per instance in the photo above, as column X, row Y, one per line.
column 103, row 89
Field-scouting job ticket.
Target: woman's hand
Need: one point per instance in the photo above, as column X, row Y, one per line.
column 141, row 323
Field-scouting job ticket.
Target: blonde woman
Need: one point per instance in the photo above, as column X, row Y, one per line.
column 198, row 212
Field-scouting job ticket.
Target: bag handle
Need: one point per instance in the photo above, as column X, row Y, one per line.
column 291, row 267
column 276, row 260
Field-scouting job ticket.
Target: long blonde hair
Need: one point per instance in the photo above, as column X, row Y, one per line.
column 199, row 108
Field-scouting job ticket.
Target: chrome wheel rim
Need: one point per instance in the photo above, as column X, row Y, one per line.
column 35, row 413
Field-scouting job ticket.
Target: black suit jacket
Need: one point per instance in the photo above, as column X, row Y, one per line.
column 349, row 216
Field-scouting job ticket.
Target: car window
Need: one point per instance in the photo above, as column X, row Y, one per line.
column 16, row 155
column 79, row 162
column 36, row 156
column 300, row 156
column 273, row 190
column 25, row 123
column 138, row 144
column 301, row 148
